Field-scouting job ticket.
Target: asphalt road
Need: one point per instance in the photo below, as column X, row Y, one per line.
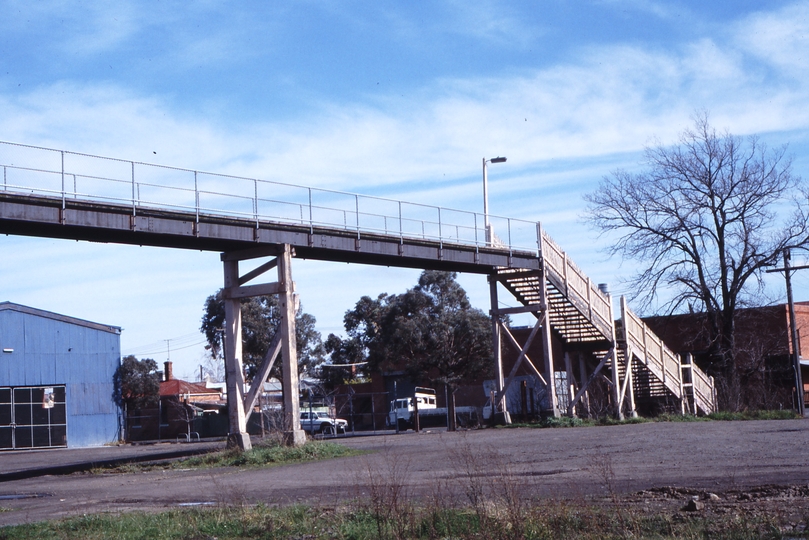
column 568, row 463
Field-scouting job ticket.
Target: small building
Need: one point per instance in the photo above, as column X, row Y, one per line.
column 56, row 380
column 185, row 410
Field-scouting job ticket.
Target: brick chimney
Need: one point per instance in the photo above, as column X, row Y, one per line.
column 168, row 371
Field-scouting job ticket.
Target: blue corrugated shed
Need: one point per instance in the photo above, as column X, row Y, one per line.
column 44, row 350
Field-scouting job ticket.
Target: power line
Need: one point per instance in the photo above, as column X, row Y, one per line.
column 158, row 347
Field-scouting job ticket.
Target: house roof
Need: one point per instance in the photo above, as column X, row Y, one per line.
column 10, row 306
column 175, row 387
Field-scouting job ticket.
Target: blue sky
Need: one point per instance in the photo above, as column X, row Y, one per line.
column 394, row 99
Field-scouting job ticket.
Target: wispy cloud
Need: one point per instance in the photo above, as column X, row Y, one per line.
column 612, row 100
column 779, row 38
column 661, row 10
column 494, row 22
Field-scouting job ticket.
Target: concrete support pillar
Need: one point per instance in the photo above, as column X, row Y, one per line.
column 237, row 435
column 293, row 434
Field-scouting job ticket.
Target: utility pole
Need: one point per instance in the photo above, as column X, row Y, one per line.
column 793, row 329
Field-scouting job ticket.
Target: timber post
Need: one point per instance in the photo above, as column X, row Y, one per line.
column 616, row 378
column 293, row 434
column 497, row 350
column 239, row 405
column 547, row 351
column 571, row 386
column 237, row 434
column 583, row 384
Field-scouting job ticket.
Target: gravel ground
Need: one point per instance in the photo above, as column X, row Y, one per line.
column 743, row 466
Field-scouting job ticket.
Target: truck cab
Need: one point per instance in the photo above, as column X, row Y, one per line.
column 402, row 410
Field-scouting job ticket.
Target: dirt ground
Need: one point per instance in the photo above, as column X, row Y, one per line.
column 724, row 467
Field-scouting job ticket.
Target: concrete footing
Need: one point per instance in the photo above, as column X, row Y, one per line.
column 240, row 441
column 295, row 438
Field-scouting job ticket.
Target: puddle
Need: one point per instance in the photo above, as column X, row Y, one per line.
column 23, row 496
column 197, row 503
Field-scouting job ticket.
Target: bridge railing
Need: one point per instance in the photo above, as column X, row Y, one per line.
column 137, row 185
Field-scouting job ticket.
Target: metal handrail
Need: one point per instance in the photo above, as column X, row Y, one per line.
column 138, row 185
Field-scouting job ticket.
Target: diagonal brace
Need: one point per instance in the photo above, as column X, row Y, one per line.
column 590, row 379
column 627, row 376
column 523, row 356
column 262, row 374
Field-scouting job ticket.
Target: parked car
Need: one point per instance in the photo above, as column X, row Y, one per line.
column 320, row 422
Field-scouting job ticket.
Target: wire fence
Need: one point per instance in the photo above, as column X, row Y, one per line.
column 69, row 175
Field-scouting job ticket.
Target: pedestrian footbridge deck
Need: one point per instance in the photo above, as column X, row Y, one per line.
column 62, row 194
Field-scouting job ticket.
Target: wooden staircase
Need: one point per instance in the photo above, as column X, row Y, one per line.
column 642, row 369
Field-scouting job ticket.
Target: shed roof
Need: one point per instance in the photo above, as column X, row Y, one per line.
column 11, row 306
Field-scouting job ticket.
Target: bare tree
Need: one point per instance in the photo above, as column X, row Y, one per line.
column 702, row 222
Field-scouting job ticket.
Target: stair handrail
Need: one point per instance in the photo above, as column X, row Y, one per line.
column 704, row 389
column 661, row 359
column 651, row 350
column 575, row 283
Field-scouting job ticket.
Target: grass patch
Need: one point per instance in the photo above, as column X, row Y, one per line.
column 754, row 415
column 566, row 421
column 543, row 521
column 671, row 417
column 267, row 454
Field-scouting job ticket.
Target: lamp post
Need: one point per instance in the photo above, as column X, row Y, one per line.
column 486, row 196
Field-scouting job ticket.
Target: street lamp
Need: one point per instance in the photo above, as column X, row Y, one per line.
column 486, row 196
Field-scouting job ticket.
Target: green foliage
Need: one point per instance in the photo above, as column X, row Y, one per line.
column 261, row 317
column 342, row 351
column 136, row 383
column 670, row 417
column 430, row 330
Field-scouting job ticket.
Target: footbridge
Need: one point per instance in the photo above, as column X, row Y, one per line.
column 62, row 194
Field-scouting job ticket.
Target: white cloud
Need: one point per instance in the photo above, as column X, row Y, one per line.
column 780, row 38
column 491, row 21
column 612, row 100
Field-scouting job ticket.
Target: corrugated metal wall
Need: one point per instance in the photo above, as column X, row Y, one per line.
column 54, row 352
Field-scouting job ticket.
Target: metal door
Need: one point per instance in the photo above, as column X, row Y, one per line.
column 32, row 417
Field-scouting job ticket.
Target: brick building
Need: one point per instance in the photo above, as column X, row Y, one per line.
column 764, row 362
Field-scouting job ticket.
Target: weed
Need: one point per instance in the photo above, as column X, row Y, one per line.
column 387, row 493
column 493, row 487
column 601, row 467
